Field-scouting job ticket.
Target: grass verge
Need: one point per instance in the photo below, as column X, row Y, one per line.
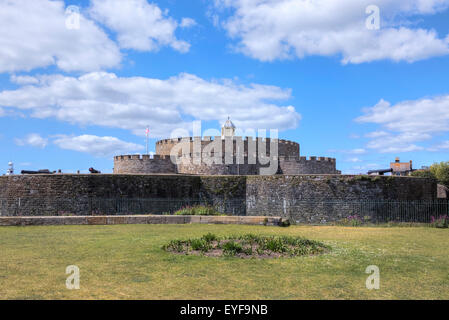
column 127, row 262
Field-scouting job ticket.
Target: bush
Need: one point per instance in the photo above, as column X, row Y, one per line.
column 441, row 172
column 200, row 244
column 423, row 174
column 231, row 248
column 441, row 222
column 248, row 245
column 438, row 171
column 284, row 223
column 209, row 237
column 275, row 245
column 351, row 221
column 198, row 210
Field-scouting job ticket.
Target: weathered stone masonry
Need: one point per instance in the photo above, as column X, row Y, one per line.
column 28, row 195
column 288, row 158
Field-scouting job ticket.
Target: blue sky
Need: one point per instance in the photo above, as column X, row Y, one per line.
column 72, row 98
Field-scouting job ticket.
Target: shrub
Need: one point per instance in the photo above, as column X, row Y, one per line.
column 175, row 245
column 441, row 222
column 248, row 245
column 285, row 223
column 209, row 237
column 275, row 245
column 441, row 172
column 200, row 244
column 198, row 210
column 231, row 248
column 351, row 221
column 423, row 174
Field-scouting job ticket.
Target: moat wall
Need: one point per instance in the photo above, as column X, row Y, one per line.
column 28, row 195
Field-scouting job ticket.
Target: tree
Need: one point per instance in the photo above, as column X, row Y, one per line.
column 423, row 174
column 441, row 172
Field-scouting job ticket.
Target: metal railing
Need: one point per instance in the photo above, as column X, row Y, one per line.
column 113, row 206
column 303, row 211
column 373, row 211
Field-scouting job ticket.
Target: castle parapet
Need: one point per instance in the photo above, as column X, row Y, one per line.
column 143, row 164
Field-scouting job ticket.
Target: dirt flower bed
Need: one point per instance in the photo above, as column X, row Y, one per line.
column 247, row 246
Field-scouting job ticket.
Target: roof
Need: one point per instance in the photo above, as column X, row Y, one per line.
column 229, row 124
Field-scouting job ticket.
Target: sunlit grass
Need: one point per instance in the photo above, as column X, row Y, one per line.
column 127, row 262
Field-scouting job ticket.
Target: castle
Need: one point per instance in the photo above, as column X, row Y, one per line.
column 238, row 176
column 225, row 155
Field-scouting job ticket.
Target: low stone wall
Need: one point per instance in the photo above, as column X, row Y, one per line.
column 111, row 220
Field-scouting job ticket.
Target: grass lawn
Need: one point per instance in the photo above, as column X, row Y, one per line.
column 127, row 262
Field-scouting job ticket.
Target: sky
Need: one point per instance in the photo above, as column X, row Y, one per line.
column 361, row 81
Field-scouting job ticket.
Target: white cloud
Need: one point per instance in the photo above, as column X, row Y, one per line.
column 134, row 103
column 376, row 134
column 187, row 23
column 351, row 151
column 97, row 146
column 354, row 160
column 281, row 29
column 362, row 168
column 357, row 151
column 33, row 34
column 34, row 140
column 406, row 123
column 439, row 147
column 140, row 25
column 23, row 80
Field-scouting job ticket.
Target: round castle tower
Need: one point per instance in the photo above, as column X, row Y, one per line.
column 224, row 155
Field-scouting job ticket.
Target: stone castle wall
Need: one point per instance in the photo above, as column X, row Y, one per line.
column 195, row 152
column 302, row 165
column 300, row 197
column 285, row 147
column 135, row 164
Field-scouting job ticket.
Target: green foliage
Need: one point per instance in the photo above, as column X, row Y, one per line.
column 351, row 221
column 249, row 245
column 275, row 245
column 200, row 244
column 438, row 171
column 285, row 223
column 423, row 174
column 231, row 248
column 209, row 237
column 441, row 172
column 440, row 222
column 175, row 245
column 198, row 210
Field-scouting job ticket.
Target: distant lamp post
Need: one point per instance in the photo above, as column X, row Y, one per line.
column 10, row 170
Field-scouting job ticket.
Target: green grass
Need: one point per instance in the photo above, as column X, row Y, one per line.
column 247, row 246
column 128, row 262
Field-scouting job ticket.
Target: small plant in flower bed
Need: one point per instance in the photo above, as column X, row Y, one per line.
column 440, row 222
column 351, row 221
column 198, row 210
column 247, row 246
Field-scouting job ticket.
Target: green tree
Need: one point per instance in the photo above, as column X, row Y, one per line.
column 441, row 172
column 423, row 174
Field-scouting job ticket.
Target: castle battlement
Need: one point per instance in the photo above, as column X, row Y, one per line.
column 238, row 155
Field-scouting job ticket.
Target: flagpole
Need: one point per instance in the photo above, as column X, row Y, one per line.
column 147, row 133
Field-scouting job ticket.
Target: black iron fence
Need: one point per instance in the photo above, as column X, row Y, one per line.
column 366, row 211
column 302, row 211
column 113, row 206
